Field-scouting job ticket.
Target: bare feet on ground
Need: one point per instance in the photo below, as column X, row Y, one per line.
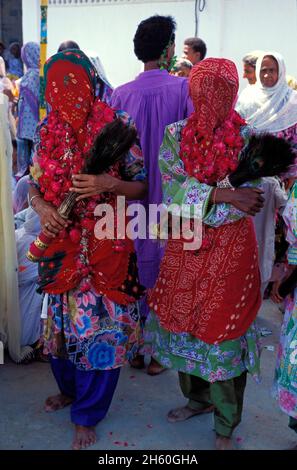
column 57, row 402
column 138, row 362
column 185, row 412
column 155, row 368
column 84, row 436
column 224, row 443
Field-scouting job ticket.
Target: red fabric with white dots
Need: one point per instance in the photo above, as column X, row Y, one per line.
column 213, row 293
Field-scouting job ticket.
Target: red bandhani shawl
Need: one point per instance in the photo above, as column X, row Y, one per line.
column 76, row 258
column 212, row 293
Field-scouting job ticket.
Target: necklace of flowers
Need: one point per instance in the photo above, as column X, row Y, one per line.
column 59, row 157
column 210, row 158
column 165, row 63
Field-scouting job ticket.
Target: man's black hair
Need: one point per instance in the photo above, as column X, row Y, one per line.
column 68, row 45
column 152, row 36
column 197, row 45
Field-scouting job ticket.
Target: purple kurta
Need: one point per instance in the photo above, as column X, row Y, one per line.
column 154, row 100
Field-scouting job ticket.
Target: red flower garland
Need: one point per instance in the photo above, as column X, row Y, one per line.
column 209, row 158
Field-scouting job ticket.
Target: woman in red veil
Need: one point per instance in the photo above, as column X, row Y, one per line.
column 91, row 285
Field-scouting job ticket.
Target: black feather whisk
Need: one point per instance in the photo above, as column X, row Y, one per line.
column 110, row 146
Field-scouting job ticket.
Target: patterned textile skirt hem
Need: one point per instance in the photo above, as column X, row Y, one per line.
column 184, row 353
column 117, row 366
column 91, row 331
column 108, row 355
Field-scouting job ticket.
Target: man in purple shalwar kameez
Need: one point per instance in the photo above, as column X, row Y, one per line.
column 154, row 100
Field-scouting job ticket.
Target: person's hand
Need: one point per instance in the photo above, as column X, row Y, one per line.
column 249, row 200
column 275, row 297
column 91, row 185
column 51, row 222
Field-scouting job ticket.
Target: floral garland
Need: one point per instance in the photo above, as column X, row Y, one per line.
column 210, row 158
column 60, row 156
column 164, row 62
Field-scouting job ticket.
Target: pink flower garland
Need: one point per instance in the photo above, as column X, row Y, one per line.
column 209, row 158
column 59, row 154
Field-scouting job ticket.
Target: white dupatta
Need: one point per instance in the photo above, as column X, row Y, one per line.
column 270, row 109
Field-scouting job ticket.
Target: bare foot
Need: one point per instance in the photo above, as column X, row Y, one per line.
column 137, row 362
column 185, row 412
column 224, row 443
column 155, row 368
column 57, row 402
column 84, row 436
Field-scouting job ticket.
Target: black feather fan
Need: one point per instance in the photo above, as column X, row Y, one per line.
column 265, row 155
column 111, row 144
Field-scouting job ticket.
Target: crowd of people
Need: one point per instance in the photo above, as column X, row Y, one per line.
column 90, row 305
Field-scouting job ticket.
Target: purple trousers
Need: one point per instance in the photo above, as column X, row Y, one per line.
column 92, row 391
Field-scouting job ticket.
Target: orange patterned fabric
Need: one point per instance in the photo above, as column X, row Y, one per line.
column 212, row 293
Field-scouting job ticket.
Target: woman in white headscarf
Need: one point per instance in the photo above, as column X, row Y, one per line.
column 271, row 105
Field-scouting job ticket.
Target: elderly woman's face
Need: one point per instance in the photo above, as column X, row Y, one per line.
column 269, row 72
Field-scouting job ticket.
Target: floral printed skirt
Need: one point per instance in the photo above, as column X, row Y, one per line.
column 211, row 362
column 285, row 383
column 90, row 330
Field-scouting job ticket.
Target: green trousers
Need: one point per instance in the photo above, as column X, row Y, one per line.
column 293, row 424
column 225, row 395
